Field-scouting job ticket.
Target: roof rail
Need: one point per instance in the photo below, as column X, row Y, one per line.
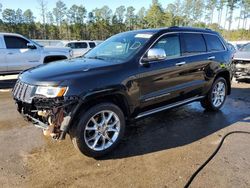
column 172, row 27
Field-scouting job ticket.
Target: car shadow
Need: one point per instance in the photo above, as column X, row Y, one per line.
column 178, row 127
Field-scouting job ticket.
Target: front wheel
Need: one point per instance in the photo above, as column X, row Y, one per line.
column 216, row 96
column 99, row 130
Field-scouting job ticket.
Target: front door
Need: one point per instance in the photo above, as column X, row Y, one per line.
column 162, row 80
column 18, row 56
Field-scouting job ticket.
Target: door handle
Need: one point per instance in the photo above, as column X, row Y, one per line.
column 211, row 57
column 180, row 63
column 10, row 53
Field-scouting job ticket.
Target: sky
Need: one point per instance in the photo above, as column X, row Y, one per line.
column 89, row 5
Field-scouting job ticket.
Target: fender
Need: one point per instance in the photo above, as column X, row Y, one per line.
column 102, row 93
column 117, row 90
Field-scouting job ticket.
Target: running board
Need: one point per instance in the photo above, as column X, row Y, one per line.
column 159, row 109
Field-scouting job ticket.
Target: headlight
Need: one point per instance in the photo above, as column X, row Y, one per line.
column 51, row 92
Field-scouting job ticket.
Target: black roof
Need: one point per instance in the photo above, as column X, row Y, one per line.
column 176, row 28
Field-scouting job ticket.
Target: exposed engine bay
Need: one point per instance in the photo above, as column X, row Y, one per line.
column 51, row 115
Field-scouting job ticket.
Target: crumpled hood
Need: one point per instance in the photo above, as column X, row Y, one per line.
column 242, row 56
column 59, row 71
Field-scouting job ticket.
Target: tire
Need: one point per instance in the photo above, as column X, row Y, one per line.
column 209, row 101
column 94, row 135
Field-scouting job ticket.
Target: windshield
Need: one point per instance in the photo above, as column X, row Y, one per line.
column 37, row 43
column 120, row 47
column 60, row 44
column 245, row 48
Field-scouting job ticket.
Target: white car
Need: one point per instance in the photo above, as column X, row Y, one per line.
column 79, row 47
column 18, row 53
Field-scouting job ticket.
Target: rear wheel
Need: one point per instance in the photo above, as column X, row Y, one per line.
column 99, row 130
column 216, row 96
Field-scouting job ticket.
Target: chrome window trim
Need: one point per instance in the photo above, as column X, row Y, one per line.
column 179, row 32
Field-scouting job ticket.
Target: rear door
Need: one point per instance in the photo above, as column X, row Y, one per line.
column 18, row 56
column 216, row 49
column 217, row 56
column 196, row 60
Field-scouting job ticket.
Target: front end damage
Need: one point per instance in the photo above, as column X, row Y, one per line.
column 242, row 69
column 53, row 115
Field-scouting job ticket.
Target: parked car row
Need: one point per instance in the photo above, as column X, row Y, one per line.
column 17, row 53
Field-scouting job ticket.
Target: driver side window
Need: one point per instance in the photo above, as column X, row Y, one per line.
column 170, row 44
column 13, row 42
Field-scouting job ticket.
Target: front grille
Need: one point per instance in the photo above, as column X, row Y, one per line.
column 23, row 92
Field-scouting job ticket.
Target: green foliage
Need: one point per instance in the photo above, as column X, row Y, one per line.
column 155, row 15
column 76, row 23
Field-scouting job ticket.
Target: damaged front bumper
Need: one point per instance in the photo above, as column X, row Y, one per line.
column 53, row 115
column 242, row 70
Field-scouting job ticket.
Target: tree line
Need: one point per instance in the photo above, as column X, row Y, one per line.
column 76, row 22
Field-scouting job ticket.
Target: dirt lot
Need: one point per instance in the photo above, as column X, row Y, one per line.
column 160, row 151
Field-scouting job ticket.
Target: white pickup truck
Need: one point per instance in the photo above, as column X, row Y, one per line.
column 18, row 53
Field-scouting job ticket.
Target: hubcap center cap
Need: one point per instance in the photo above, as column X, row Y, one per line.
column 102, row 130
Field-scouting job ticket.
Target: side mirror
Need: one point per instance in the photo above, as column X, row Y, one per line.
column 155, row 54
column 31, row 46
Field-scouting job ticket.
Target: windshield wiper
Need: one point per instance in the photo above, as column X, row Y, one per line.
column 96, row 57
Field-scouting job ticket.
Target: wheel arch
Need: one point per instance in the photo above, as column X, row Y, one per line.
column 87, row 101
column 226, row 75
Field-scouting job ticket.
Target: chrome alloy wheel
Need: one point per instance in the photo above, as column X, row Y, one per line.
column 102, row 130
column 218, row 94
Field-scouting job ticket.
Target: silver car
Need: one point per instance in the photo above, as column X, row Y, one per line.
column 242, row 62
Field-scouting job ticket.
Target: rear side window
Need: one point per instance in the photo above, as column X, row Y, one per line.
column 71, row 45
column 92, row 45
column 81, row 45
column 15, row 42
column 192, row 43
column 213, row 43
column 75, row 45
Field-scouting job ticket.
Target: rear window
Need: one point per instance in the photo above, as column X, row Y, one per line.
column 213, row 43
column 81, row 45
column 92, row 45
column 76, row 45
column 192, row 43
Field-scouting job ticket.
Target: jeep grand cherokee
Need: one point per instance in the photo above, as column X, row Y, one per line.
column 129, row 76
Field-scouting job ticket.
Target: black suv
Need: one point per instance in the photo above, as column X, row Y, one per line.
column 129, row 76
